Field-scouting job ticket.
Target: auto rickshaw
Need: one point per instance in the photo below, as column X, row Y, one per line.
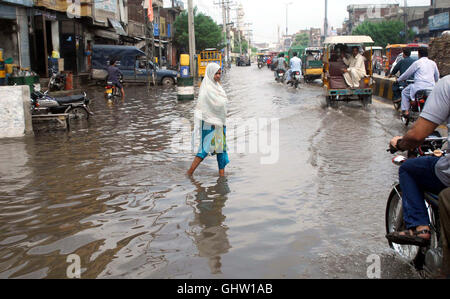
column 312, row 64
column 392, row 51
column 377, row 60
column 333, row 79
column 208, row 56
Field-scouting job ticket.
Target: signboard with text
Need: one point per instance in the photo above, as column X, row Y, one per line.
column 439, row 22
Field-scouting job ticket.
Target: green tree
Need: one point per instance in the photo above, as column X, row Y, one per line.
column 385, row 32
column 236, row 47
column 207, row 33
column 301, row 40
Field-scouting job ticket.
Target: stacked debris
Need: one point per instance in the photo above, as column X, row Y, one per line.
column 439, row 51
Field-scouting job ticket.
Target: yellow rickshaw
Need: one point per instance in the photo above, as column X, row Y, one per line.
column 333, row 79
column 208, row 56
column 312, row 64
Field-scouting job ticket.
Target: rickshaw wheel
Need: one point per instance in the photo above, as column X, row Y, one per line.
column 366, row 100
column 329, row 101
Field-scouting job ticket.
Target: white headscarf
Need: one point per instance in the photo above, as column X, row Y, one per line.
column 212, row 100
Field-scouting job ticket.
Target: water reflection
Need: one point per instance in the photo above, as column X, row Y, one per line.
column 207, row 228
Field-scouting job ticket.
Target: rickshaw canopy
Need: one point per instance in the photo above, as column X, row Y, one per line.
column 348, row 39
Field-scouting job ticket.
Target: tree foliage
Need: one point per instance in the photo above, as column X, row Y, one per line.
column 207, row 33
column 236, row 47
column 385, row 32
column 301, row 40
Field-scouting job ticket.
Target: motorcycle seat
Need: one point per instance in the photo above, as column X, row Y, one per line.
column 70, row 99
column 423, row 93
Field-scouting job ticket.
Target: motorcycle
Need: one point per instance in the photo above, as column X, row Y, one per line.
column 416, row 105
column 397, row 89
column 260, row 64
column 429, row 258
column 377, row 67
column 295, row 80
column 57, row 80
column 111, row 90
column 77, row 106
column 280, row 76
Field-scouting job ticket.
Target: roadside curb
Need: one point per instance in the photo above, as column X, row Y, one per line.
column 383, row 87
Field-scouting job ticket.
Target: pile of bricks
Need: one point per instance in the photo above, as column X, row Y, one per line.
column 440, row 53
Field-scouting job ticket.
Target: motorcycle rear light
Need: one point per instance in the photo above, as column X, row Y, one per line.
column 422, row 101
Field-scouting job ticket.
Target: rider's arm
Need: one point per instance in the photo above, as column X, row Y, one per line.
column 436, row 112
column 436, row 74
column 415, row 137
column 409, row 72
column 396, row 68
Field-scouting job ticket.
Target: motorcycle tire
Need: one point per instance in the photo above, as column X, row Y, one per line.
column 395, row 222
column 78, row 112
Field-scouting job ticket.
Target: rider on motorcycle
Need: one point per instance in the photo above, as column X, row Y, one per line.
column 280, row 64
column 424, row 173
column 403, row 65
column 425, row 73
column 295, row 66
column 114, row 75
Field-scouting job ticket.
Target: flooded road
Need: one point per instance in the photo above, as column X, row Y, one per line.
column 114, row 191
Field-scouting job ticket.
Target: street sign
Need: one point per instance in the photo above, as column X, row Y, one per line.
column 439, row 22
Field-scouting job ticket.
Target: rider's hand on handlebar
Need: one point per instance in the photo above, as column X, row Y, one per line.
column 393, row 145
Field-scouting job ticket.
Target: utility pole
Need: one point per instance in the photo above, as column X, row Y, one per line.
column 150, row 52
column 406, row 20
column 325, row 25
column 191, row 38
column 228, row 37
column 160, row 41
column 224, row 29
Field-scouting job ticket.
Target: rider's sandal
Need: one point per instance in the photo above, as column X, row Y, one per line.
column 410, row 239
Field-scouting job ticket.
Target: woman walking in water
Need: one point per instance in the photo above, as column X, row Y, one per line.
column 210, row 120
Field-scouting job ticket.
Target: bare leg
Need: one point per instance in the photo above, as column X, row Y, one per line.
column 222, row 172
column 123, row 94
column 194, row 166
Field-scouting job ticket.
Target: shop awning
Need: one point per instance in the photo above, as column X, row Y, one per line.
column 117, row 27
column 107, row 34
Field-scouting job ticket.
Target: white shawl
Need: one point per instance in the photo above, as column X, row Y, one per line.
column 212, row 99
column 211, row 106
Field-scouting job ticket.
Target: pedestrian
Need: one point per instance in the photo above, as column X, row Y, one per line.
column 210, row 120
column 444, row 216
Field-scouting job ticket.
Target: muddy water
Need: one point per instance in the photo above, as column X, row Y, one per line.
column 114, row 192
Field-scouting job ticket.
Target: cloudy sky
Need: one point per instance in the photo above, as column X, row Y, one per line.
column 267, row 15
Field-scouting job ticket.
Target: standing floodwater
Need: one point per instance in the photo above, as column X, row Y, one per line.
column 114, row 192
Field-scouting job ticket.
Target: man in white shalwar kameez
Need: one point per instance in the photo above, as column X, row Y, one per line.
column 356, row 68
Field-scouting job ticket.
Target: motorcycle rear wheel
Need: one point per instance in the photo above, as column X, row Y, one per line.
column 395, row 222
column 78, row 113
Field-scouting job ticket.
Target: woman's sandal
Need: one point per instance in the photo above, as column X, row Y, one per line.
column 406, row 238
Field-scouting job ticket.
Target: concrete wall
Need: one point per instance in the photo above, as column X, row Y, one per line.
column 15, row 114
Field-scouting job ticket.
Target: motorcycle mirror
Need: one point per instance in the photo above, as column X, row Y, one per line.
column 399, row 160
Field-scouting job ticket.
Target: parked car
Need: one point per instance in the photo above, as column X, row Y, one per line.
column 244, row 60
column 131, row 62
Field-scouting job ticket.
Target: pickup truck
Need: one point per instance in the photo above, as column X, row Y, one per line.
column 131, row 62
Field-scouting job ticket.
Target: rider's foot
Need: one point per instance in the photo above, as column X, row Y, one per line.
column 420, row 237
